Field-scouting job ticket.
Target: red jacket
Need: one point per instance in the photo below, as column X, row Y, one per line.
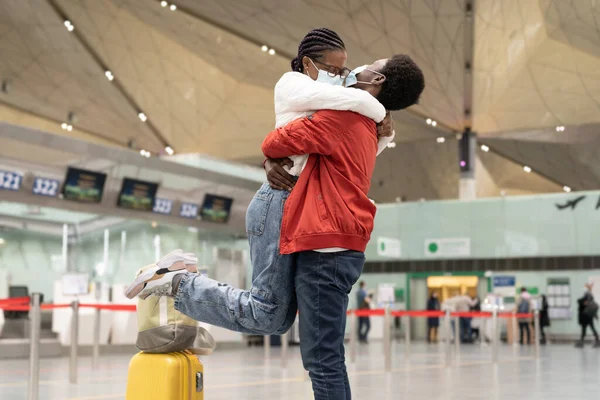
column 329, row 206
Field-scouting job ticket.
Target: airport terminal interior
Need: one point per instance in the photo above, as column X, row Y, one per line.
column 132, row 128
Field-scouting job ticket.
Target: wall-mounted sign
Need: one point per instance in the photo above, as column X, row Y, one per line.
column 46, row 187
column 188, row 210
column 448, row 247
column 10, row 180
column 162, row 206
column 388, row 247
column 559, row 298
column 504, row 285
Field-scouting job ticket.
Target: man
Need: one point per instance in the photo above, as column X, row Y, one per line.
column 461, row 303
column 329, row 209
column 362, row 303
column 524, row 307
column 587, row 312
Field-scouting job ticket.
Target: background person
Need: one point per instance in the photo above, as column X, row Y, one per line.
column 588, row 312
column 363, row 301
column 433, row 323
column 461, row 303
column 524, row 307
column 544, row 319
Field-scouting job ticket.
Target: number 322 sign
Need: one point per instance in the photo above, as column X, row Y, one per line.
column 45, row 187
column 10, row 180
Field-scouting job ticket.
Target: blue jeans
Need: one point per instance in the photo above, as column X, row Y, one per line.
column 323, row 282
column 269, row 307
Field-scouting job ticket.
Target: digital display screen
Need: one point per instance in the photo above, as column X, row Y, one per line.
column 216, row 209
column 84, row 186
column 137, row 195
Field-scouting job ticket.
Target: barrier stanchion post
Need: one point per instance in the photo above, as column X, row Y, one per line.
column 448, row 334
column 387, row 340
column 457, row 335
column 35, row 317
column 495, row 334
column 536, row 329
column 514, row 329
column 353, row 336
column 482, row 331
column 284, row 350
column 407, row 336
column 267, row 343
column 96, row 348
column 74, row 342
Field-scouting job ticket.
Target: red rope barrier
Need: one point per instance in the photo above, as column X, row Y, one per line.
column 369, row 313
column 433, row 314
column 111, row 307
column 417, row 314
column 15, row 301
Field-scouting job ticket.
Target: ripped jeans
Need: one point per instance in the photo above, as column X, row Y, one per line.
column 269, row 307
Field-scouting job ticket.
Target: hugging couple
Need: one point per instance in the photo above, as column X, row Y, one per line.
column 307, row 244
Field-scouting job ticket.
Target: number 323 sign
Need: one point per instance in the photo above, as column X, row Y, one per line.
column 10, row 180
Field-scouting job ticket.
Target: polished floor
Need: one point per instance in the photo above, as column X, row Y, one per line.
column 561, row 372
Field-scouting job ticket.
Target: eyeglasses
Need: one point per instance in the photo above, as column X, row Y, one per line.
column 332, row 70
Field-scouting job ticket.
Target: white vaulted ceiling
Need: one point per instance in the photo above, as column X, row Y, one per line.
column 200, row 76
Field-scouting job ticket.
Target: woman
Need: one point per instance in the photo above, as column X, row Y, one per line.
column 588, row 311
column 544, row 319
column 433, row 323
column 269, row 307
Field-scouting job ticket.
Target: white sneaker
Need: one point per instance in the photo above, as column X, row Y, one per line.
column 175, row 261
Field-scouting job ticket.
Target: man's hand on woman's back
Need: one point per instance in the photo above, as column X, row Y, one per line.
column 277, row 176
column 386, row 127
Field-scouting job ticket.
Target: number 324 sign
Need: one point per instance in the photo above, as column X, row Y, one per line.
column 10, row 180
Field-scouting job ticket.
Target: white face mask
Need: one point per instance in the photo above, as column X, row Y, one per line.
column 325, row 77
column 352, row 80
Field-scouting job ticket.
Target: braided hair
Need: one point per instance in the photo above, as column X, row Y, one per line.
column 314, row 44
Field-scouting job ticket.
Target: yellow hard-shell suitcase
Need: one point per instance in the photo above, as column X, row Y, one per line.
column 169, row 376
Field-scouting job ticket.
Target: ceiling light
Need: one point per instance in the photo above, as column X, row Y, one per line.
column 527, row 169
column 272, row 52
column 433, row 123
column 485, row 148
column 566, row 189
column 428, row 120
column 142, row 152
column 169, row 150
column 264, row 48
column 69, row 128
column 391, row 145
column 441, row 139
column 164, row 3
column 143, row 117
column 64, row 126
column 560, row 128
column 109, row 75
column 69, row 25
column 173, row 7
